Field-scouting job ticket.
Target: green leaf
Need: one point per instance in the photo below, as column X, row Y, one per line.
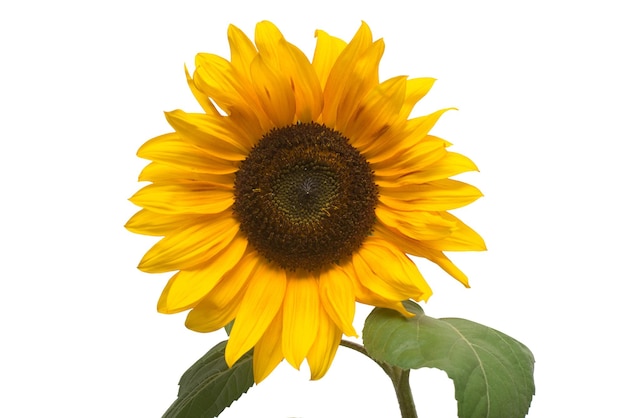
column 210, row 386
column 492, row 372
column 229, row 327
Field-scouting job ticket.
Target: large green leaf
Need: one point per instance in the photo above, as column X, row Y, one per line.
column 492, row 372
column 210, row 386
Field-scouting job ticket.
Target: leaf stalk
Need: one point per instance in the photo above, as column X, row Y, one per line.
column 399, row 377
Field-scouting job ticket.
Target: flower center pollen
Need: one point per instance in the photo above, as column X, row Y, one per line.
column 304, row 197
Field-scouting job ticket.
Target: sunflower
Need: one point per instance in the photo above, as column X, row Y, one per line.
column 299, row 190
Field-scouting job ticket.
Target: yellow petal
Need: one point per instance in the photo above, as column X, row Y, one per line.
column 304, row 82
column 233, row 93
column 170, row 149
column 424, row 124
column 206, row 317
column 462, row 238
column 437, row 230
column 301, row 311
column 262, row 300
column 151, row 223
column 187, row 287
column 267, row 38
column 216, row 77
column 377, row 112
column 202, row 98
column 424, row 152
column 355, row 72
column 235, row 280
column 273, row 92
column 449, row 165
column 324, row 347
column 362, row 78
column 221, row 305
column 210, row 134
column 416, row 89
column 190, row 246
column 268, row 351
column 418, row 225
column 337, row 297
column 295, row 68
column 409, row 145
column 367, row 297
column 420, row 249
column 242, row 51
column 176, row 199
column 444, row 262
column 327, row 49
column 164, row 173
column 384, row 270
column 437, row 195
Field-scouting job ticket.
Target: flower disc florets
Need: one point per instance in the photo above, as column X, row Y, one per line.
column 305, row 197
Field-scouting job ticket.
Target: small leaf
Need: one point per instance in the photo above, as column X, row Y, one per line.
column 210, row 386
column 492, row 372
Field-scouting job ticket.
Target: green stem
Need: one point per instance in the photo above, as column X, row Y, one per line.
column 404, row 394
column 399, row 377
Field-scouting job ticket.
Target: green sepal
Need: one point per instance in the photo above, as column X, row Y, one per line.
column 492, row 372
column 210, row 386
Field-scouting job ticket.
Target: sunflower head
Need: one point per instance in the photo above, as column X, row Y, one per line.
column 300, row 189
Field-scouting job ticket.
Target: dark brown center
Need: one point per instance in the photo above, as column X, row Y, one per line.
column 305, row 197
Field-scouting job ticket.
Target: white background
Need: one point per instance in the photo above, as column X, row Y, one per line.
column 540, row 90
